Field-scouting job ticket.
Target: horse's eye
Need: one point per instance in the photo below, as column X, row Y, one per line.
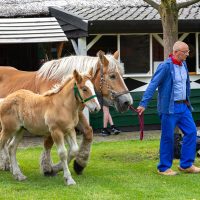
column 84, row 89
column 112, row 76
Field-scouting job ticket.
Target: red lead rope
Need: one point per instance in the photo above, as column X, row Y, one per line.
column 141, row 120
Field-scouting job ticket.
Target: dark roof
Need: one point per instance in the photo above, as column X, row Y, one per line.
column 20, row 8
column 80, row 18
column 27, row 8
column 142, row 12
column 92, row 9
column 120, row 19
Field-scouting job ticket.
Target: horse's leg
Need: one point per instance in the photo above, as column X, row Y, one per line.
column 4, row 157
column 45, row 161
column 73, row 146
column 58, row 138
column 12, row 148
column 72, row 152
column 84, row 152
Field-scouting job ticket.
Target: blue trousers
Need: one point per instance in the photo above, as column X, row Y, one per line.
column 182, row 118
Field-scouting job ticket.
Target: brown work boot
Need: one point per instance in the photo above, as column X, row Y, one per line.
column 168, row 172
column 193, row 169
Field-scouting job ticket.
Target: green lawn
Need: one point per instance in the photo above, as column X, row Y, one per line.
column 117, row 170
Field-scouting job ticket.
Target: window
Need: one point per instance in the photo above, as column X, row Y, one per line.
column 107, row 43
column 198, row 51
column 191, row 59
column 135, row 53
column 158, row 52
column 20, row 56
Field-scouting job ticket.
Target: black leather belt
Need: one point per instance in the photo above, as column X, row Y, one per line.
column 181, row 101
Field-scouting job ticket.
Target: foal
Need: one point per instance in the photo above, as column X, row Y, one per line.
column 54, row 113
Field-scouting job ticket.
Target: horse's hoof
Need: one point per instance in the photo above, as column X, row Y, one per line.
column 51, row 173
column 70, row 181
column 5, row 167
column 78, row 168
column 20, row 177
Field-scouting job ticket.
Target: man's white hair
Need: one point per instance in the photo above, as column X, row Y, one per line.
column 178, row 45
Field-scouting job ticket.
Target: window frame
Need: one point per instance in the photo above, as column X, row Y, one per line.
column 150, row 72
column 197, row 35
column 151, row 67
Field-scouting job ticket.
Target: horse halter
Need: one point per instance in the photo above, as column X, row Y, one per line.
column 76, row 91
column 114, row 94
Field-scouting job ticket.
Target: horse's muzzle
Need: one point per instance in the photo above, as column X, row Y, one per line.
column 123, row 102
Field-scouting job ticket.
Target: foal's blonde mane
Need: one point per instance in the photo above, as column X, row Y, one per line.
column 57, row 69
column 59, row 86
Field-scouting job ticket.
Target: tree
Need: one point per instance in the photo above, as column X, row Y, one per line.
column 168, row 10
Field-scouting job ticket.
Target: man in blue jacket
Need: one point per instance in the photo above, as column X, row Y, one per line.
column 174, row 108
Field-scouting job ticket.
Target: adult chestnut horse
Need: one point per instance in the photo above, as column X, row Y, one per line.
column 108, row 83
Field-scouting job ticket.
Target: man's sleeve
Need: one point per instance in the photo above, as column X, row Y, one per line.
column 154, row 83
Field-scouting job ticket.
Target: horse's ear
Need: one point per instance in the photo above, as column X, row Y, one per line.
column 116, row 55
column 77, row 77
column 102, row 57
column 100, row 53
column 91, row 72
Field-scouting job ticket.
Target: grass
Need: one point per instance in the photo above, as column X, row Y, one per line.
column 117, row 170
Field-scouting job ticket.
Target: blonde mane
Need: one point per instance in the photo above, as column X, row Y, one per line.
column 58, row 87
column 57, row 69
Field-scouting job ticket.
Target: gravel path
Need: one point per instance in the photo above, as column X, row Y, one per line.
column 30, row 141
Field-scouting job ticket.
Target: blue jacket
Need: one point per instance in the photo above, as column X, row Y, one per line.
column 163, row 79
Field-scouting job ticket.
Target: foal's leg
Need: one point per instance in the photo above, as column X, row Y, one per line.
column 45, row 161
column 73, row 146
column 4, row 158
column 72, row 152
column 84, row 152
column 6, row 161
column 4, row 155
column 12, row 151
column 58, row 138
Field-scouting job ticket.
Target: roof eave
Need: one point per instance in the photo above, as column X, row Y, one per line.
column 68, row 17
column 137, row 26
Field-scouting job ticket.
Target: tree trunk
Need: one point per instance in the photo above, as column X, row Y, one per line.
column 169, row 17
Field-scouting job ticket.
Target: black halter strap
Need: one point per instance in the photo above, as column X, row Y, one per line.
column 114, row 94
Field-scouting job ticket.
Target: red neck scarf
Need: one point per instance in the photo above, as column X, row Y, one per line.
column 175, row 61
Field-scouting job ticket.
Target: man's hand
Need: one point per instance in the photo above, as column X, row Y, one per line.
column 140, row 109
